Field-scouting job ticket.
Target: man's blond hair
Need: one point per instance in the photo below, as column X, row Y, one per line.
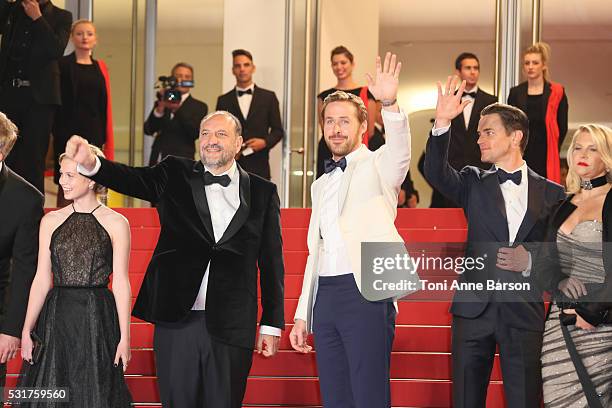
column 8, row 135
column 341, row 96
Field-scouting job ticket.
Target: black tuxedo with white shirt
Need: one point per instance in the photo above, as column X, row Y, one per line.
column 263, row 120
column 463, row 148
column 187, row 250
column 187, row 244
column 482, row 319
column 21, row 208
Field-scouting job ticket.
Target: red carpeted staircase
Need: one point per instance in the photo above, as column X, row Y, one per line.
column 421, row 365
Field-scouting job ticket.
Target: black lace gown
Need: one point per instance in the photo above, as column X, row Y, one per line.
column 78, row 323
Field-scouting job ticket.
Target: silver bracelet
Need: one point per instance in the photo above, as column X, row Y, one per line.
column 387, row 102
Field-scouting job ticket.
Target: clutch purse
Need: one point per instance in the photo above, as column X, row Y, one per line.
column 38, row 347
column 567, row 319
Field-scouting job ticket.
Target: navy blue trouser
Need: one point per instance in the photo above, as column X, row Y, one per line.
column 353, row 341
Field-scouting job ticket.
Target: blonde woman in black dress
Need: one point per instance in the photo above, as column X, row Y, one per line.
column 84, row 326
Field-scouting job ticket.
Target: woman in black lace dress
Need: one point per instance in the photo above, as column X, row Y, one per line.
column 84, row 327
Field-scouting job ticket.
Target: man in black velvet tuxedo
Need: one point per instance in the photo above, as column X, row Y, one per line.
column 463, row 149
column 507, row 208
column 218, row 225
column 176, row 124
column 21, row 208
column 34, row 36
column 259, row 115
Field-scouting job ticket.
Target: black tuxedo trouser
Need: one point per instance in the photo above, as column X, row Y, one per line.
column 34, row 122
column 473, row 350
column 194, row 370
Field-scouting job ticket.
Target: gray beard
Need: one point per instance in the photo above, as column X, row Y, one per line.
column 220, row 162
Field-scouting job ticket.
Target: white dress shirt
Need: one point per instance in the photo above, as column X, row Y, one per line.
column 223, row 203
column 245, row 100
column 334, row 258
column 1, row 165
column 515, row 199
column 467, row 111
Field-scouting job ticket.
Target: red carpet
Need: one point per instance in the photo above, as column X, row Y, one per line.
column 421, row 364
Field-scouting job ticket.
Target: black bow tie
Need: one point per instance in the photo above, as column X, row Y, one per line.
column 248, row 91
column 223, row 180
column 330, row 165
column 469, row 94
column 505, row 176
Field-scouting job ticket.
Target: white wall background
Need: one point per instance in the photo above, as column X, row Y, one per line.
column 354, row 24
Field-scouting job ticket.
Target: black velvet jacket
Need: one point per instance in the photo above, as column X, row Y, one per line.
column 186, row 245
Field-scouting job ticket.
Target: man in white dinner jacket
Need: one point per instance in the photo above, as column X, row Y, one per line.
column 354, row 202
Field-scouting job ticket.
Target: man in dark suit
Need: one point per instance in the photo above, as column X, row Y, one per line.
column 175, row 124
column 218, row 225
column 463, row 149
column 21, row 208
column 507, row 209
column 34, row 36
column 259, row 115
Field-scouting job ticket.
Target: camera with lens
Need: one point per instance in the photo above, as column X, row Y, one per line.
column 169, row 88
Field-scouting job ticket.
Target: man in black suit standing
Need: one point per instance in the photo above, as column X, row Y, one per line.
column 34, row 36
column 506, row 209
column 21, row 208
column 175, row 124
column 218, row 225
column 259, row 115
column 463, row 149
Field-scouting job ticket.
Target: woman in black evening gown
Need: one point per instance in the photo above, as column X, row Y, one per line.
column 85, row 106
column 84, row 327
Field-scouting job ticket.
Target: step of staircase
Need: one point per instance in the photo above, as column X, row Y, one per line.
column 420, row 361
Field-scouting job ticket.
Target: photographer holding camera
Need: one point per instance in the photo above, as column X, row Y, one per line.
column 175, row 119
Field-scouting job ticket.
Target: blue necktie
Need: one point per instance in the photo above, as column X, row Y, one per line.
column 504, row 176
column 330, row 165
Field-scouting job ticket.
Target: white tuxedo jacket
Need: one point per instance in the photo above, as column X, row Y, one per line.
column 367, row 205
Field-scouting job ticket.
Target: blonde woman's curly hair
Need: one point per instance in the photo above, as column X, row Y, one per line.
column 99, row 189
column 602, row 137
